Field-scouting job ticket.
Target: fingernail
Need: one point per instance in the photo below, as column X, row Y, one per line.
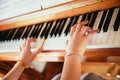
column 86, row 20
column 98, row 30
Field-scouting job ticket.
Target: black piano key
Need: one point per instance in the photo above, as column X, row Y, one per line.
column 92, row 20
column 4, row 36
column 75, row 20
column 79, row 19
column 7, row 37
column 13, row 37
column 44, row 30
column 21, row 37
column 39, row 26
column 1, row 35
column 12, row 32
column 102, row 20
column 88, row 16
column 1, row 32
column 19, row 33
column 39, row 30
column 107, row 21
column 58, row 27
column 25, row 35
column 62, row 26
column 68, row 26
column 83, row 17
column 117, row 21
column 54, row 28
column 34, row 29
column 48, row 29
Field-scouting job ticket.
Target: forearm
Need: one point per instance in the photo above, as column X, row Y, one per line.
column 72, row 68
column 15, row 72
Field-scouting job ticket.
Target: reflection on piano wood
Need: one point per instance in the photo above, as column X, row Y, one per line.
column 55, row 32
column 109, row 71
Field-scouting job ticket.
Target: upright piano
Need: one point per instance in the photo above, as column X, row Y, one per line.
column 51, row 28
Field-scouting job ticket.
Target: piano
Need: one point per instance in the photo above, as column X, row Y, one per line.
column 52, row 30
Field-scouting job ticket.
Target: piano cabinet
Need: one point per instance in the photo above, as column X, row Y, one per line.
column 102, row 61
column 91, row 55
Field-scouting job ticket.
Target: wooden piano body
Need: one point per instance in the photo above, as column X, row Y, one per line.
column 103, row 58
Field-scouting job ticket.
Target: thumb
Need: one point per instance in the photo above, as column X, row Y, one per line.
column 20, row 48
column 38, row 51
column 66, row 42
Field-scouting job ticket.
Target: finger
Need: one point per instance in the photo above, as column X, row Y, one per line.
column 32, row 39
column 73, row 28
column 38, row 51
column 20, row 48
column 23, row 45
column 66, row 42
column 92, row 33
column 28, row 45
column 79, row 25
column 85, row 29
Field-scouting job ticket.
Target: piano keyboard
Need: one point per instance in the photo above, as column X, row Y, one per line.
column 55, row 33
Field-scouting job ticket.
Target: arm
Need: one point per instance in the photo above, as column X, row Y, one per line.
column 76, row 46
column 26, row 57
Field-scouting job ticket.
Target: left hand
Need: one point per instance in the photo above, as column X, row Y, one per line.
column 26, row 55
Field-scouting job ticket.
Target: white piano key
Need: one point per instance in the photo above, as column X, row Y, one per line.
column 33, row 27
column 39, row 43
column 119, row 33
column 102, row 35
column 91, row 19
column 23, row 32
column 52, row 27
column 80, row 18
column 117, row 37
column 44, row 26
column 111, row 33
column 95, row 26
column 97, row 21
column 61, row 26
column 56, row 27
column 14, row 33
column 55, row 43
column 73, row 21
column 11, row 46
column 14, row 45
column 67, row 22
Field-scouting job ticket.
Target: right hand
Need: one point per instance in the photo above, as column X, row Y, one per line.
column 78, row 41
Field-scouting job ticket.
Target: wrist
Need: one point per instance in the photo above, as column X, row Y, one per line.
column 73, row 53
column 69, row 52
column 73, row 56
column 23, row 64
